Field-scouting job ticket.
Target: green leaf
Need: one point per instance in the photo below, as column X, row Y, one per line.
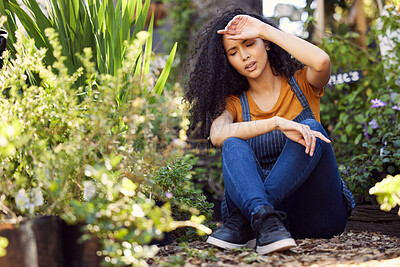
column 358, row 139
column 149, row 44
column 128, row 184
column 158, row 88
column 141, row 19
column 349, row 129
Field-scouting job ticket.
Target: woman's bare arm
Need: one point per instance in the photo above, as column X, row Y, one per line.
column 223, row 128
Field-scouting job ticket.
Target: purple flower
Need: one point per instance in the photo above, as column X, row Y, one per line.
column 168, row 194
column 374, row 124
column 396, row 107
column 376, row 103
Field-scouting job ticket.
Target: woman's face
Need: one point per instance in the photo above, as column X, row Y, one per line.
column 248, row 57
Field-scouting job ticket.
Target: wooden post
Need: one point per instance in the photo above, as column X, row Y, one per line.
column 320, row 29
column 361, row 22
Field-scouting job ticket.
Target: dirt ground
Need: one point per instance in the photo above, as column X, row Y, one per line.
column 352, row 248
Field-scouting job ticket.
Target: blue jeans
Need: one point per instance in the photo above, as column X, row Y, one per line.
column 308, row 189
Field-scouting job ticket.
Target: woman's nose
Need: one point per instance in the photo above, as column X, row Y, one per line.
column 245, row 56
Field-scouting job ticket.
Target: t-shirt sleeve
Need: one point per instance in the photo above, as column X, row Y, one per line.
column 301, row 78
column 232, row 103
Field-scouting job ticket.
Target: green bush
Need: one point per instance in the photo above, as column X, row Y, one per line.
column 365, row 136
column 78, row 153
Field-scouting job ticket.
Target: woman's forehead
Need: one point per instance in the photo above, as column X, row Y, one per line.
column 228, row 43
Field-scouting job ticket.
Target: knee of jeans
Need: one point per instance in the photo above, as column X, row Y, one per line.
column 233, row 142
column 314, row 125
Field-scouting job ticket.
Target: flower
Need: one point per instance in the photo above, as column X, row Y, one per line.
column 374, row 124
column 30, row 200
column 168, row 194
column 396, row 107
column 89, row 190
column 376, row 103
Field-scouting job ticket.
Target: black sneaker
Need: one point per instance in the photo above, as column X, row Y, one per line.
column 235, row 233
column 270, row 233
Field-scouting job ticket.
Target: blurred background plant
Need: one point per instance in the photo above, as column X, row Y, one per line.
column 363, row 117
column 3, row 246
column 83, row 152
column 388, row 192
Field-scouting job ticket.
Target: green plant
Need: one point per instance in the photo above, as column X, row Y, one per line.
column 173, row 183
column 388, row 192
column 93, row 23
column 74, row 152
column 364, row 134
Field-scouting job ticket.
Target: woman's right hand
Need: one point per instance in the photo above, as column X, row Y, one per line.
column 300, row 133
column 243, row 27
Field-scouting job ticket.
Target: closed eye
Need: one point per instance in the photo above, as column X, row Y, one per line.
column 250, row 44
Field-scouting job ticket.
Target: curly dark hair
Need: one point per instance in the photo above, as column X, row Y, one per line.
column 211, row 78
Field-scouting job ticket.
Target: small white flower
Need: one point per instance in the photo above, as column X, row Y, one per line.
column 137, row 211
column 89, row 190
column 30, row 201
column 37, row 197
column 21, row 199
column 3, row 141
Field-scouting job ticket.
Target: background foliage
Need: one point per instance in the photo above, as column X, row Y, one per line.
column 365, row 135
column 86, row 141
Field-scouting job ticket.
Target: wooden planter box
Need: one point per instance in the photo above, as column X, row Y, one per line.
column 371, row 218
column 47, row 242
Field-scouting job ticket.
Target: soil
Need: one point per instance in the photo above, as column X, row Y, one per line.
column 349, row 249
column 366, row 244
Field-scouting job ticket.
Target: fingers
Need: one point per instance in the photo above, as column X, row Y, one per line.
column 321, row 136
column 312, row 140
column 309, row 139
column 231, row 27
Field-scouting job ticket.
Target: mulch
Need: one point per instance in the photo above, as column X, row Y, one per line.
column 352, row 248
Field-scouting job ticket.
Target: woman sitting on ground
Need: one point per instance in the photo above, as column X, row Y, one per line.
column 255, row 91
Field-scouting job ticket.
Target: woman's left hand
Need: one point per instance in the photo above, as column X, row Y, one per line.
column 242, row 27
column 300, row 133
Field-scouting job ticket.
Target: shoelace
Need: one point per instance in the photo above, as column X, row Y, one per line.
column 274, row 221
column 235, row 220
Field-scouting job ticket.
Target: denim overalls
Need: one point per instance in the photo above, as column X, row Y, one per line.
column 268, row 147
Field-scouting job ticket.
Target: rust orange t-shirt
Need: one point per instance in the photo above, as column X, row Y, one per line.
column 287, row 105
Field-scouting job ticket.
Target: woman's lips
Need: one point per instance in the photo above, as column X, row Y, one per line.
column 251, row 66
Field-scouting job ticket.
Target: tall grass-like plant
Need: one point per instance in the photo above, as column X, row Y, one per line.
column 98, row 24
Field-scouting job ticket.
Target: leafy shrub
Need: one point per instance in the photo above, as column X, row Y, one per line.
column 79, row 153
column 365, row 137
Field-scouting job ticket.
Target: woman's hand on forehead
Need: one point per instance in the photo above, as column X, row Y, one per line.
column 242, row 27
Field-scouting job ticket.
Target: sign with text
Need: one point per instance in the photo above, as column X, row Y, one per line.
column 346, row 77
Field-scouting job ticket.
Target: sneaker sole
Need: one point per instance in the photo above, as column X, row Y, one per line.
column 223, row 244
column 280, row 245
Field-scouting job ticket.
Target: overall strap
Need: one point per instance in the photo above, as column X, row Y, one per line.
column 300, row 96
column 245, row 107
